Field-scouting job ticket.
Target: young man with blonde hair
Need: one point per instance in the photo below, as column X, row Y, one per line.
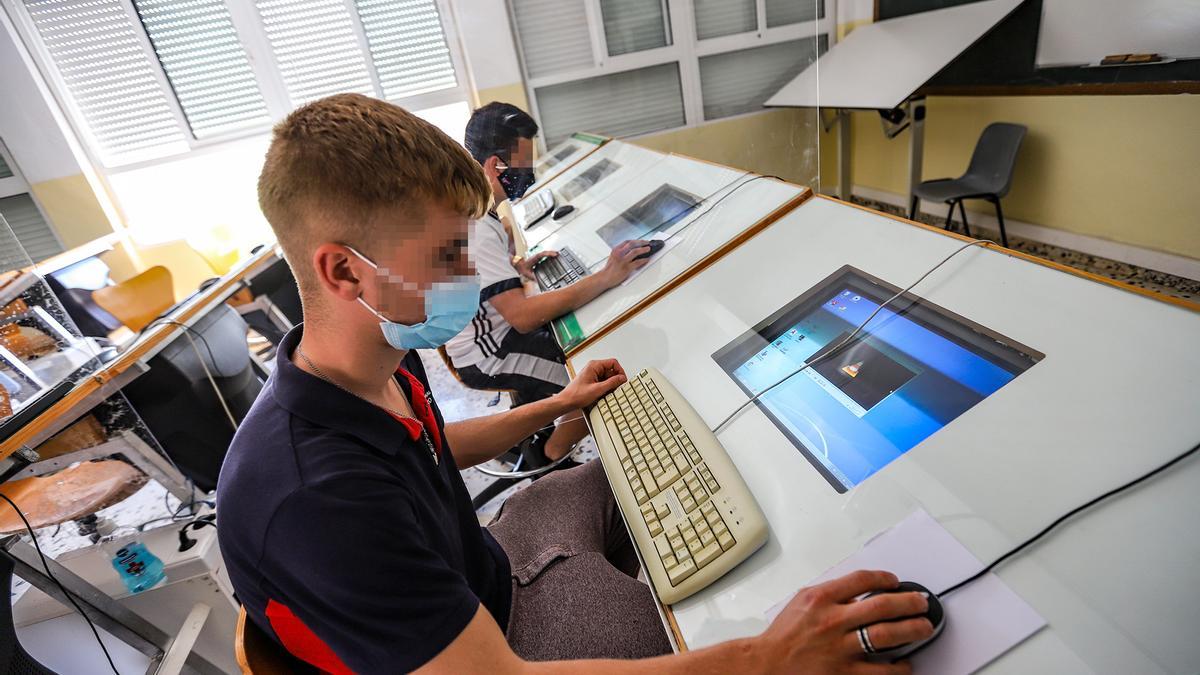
column 344, row 522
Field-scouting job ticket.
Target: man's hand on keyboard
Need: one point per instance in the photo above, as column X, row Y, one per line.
column 596, row 380
column 525, row 266
column 817, row 631
column 621, row 261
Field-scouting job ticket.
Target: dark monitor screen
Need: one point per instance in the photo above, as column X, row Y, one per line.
column 914, row 369
column 655, row 212
column 584, row 181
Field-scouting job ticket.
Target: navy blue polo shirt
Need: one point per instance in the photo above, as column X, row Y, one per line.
column 342, row 536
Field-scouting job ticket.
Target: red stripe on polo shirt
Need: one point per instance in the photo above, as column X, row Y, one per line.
column 302, row 642
column 422, row 410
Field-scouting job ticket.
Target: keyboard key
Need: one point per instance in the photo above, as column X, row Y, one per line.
column 681, row 571
column 726, row 540
column 655, row 528
column 707, row 554
column 662, row 510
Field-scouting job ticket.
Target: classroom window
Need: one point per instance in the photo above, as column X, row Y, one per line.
column 634, row 25
column 628, row 67
column 738, row 82
column 20, row 212
column 151, row 79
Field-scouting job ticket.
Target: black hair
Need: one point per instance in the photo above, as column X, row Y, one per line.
column 495, row 128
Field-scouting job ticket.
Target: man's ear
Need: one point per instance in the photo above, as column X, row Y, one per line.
column 339, row 272
column 491, row 166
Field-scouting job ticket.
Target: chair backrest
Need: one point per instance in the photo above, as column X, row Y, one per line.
column 995, row 156
column 175, row 398
column 257, row 653
column 139, row 300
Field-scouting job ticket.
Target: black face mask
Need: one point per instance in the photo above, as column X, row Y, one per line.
column 516, row 180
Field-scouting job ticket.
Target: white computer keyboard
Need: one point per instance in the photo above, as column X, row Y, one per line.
column 691, row 515
column 533, row 208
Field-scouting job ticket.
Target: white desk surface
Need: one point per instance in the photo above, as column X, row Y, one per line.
column 1114, row 397
column 733, row 208
column 878, row 66
column 580, row 144
column 633, row 161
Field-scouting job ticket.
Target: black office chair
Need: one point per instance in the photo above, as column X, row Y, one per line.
column 14, row 660
column 276, row 302
column 177, row 402
column 989, row 176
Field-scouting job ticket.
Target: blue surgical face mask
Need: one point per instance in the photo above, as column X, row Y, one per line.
column 449, row 307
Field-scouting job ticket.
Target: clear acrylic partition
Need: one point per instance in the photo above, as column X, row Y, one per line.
column 684, row 76
column 43, row 353
column 680, row 87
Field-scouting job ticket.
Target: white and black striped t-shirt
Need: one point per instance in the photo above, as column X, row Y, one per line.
column 488, row 248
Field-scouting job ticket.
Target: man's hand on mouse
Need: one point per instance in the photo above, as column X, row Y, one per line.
column 621, row 262
column 817, row 631
column 594, row 381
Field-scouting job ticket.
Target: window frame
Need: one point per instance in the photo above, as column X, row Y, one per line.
column 16, row 185
column 686, row 49
column 248, row 27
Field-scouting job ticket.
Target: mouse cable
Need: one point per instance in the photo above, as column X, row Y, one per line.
column 848, row 338
column 45, row 565
column 1072, row 512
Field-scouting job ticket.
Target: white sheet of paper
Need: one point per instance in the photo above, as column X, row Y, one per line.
column 983, row 619
column 667, row 246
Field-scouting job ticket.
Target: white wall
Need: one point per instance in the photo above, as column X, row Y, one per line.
column 27, row 124
column 487, row 42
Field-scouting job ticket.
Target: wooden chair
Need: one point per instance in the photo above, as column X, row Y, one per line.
column 139, row 300
column 257, row 653
column 67, row 495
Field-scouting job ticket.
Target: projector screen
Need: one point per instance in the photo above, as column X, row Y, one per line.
column 1081, row 32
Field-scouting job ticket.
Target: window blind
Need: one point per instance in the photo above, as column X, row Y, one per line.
column 206, row 64
column 634, row 25
column 316, row 47
column 622, row 104
column 715, row 18
column 554, row 35
column 32, row 231
column 408, row 46
column 96, row 50
column 784, row 12
column 738, row 82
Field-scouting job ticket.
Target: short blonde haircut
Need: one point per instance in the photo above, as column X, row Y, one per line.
column 335, row 162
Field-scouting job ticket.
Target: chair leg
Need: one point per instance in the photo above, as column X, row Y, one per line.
column 1000, row 219
column 963, row 210
column 912, row 208
column 950, row 217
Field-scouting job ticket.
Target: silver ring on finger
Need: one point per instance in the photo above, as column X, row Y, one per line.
column 864, row 640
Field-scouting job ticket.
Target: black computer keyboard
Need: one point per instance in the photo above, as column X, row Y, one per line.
column 559, row 271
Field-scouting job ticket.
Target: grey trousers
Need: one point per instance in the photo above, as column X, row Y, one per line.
column 575, row 588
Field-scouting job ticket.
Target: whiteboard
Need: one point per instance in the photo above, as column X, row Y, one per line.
column 1079, row 32
column 880, row 65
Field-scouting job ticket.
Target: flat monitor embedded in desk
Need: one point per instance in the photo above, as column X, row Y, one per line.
column 851, row 404
column 1112, row 399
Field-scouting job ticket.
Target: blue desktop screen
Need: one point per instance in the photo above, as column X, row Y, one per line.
column 910, row 372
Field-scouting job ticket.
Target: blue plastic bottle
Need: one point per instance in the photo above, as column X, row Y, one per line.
column 139, row 568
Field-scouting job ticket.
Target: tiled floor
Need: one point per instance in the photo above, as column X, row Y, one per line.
column 1159, row 282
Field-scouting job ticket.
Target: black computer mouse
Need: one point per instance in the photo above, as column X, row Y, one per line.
column 655, row 246
column 936, row 615
column 562, row 211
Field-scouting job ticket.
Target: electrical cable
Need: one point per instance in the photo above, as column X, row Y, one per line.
column 1068, row 514
column 836, row 348
column 187, row 333
column 46, row 565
